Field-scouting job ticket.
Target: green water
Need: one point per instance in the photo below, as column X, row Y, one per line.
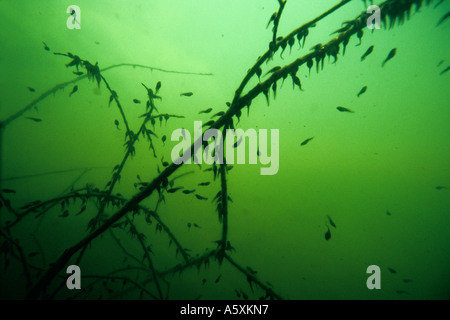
column 389, row 155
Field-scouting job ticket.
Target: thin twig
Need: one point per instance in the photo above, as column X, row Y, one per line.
column 224, row 208
column 52, row 172
column 140, row 237
column 62, row 85
column 22, row 259
column 253, row 279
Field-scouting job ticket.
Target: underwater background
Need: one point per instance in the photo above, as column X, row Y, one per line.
column 381, row 173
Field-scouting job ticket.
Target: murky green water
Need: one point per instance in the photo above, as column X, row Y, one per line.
column 387, row 156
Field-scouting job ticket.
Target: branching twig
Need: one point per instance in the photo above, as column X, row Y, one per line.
column 302, row 30
column 251, row 278
column 62, row 85
column 276, row 22
column 395, row 10
column 22, row 259
column 141, row 237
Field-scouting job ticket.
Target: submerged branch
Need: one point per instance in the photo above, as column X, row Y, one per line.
column 140, row 237
column 300, row 30
column 251, row 278
column 125, row 279
column 393, row 9
column 116, row 99
column 22, row 257
column 51, row 172
column 224, row 209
